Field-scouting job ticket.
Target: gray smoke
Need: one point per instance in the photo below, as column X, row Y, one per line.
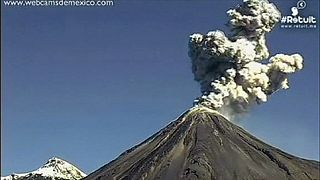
column 236, row 72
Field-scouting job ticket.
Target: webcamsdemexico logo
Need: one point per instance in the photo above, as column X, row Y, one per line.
column 298, row 21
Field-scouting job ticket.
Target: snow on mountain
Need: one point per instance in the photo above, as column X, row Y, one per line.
column 55, row 168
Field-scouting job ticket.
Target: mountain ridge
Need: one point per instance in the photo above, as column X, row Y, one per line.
column 54, row 168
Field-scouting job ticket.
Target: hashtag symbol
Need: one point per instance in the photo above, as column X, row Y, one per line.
column 283, row 19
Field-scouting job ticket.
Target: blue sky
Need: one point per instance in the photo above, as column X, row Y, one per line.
column 85, row 84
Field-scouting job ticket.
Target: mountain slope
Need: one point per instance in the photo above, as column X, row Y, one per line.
column 202, row 144
column 55, row 168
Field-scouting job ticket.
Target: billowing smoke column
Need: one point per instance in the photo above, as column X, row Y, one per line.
column 235, row 72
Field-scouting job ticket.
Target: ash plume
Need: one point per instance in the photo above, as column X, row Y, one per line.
column 235, row 72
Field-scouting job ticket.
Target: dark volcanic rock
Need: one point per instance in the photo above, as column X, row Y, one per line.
column 201, row 144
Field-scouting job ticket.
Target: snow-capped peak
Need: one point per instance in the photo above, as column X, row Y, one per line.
column 55, row 168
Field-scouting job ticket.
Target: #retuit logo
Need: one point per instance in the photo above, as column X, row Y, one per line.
column 298, row 21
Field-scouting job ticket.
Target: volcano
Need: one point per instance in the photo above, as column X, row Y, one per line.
column 203, row 144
